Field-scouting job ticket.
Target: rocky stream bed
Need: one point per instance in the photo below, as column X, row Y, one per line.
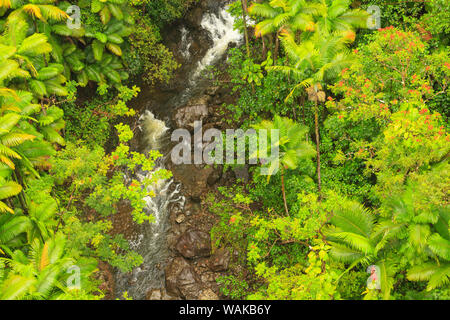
column 179, row 262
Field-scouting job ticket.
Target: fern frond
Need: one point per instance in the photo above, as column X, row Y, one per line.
column 7, row 161
column 440, row 278
column 263, row 10
column 34, row 11
column 7, row 67
column 14, row 139
column 11, row 226
column 44, row 257
column 34, row 45
column 16, row 29
column 15, row 287
column 53, row 13
column 439, row 246
column 7, row 152
column 9, row 189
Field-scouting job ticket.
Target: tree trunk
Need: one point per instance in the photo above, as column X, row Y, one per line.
column 284, row 193
column 247, row 44
column 316, row 123
column 244, row 18
column 277, row 46
column 264, row 49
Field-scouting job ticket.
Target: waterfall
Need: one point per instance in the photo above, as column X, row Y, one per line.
column 185, row 43
column 219, row 25
column 150, row 240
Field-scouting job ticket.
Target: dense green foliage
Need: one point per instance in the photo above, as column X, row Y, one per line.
column 59, row 187
column 364, row 179
column 378, row 99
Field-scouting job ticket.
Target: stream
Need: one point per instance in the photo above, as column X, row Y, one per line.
column 150, row 240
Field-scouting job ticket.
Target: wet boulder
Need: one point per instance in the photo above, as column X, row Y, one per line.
column 194, row 244
column 182, row 280
column 194, row 17
column 220, row 260
column 208, row 294
column 193, row 178
column 195, row 110
column 214, row 176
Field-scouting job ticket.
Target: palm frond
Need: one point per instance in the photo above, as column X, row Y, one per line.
column 440, row 278
column 355, row 241
column 11, row 226
column 263, row 10
column 34, row 45
column 344, row 253
column 353, row 218
column 439, row 246
column 9, row 189
column 14, row 139
column 422, row 272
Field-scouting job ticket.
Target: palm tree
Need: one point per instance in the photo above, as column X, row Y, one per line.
column 13, row 231
column 315, row 62
column 292, row 147
column 280, row 14
column 321, row 54
column 355, row 239
column 334, row 15
column 43, row 10
column 30, row 52
column 8, row 189
column 38, row 275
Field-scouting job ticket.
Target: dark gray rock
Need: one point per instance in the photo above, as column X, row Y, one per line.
column 193, row 178
column 220, row 260
column 214, row 176
column 194, row 17
column 196, row 110
column 194, row 244
column 182, row 280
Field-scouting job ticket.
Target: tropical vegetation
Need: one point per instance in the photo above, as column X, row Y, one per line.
column 360, row 205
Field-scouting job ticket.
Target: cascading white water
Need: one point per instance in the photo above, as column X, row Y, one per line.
column 220, row 28
column 185, row 43
column 151, row 240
